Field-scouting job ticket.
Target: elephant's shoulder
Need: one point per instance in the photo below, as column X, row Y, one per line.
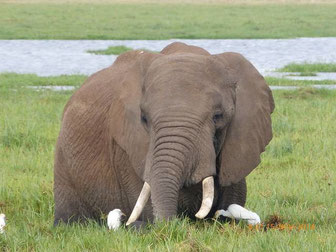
column 92, row 94
column 116, row 82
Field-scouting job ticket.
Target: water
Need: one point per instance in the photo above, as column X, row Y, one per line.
column 57, row 57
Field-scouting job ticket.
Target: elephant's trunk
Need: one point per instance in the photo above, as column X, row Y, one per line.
column 172, row 151
column 166, row 177
column 171, row 161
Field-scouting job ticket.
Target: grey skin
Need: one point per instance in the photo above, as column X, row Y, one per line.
column 170, row 119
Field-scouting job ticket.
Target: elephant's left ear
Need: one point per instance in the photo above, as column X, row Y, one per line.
column 250, row 129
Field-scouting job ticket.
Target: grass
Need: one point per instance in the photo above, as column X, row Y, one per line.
column 272, row 81
column 115, row 50
column 296, row 180
column 111, row 50
column 304, row 74
column 308, row 68
column 13, row 80
column 165, row 21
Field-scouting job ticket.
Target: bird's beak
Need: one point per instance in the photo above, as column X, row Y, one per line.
column 122, row 214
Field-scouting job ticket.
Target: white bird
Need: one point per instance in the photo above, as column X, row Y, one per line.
column 238, row 212
column 2, row 223
column 115, row 219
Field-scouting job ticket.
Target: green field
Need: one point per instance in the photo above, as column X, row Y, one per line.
column 296, row 180
column 136, row 20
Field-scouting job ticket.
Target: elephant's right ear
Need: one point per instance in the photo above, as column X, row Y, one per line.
column 128, row 72
column 250, row 129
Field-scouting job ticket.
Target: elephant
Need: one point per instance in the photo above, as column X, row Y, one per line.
column 162, row 135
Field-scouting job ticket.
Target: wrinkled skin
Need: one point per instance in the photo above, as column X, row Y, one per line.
column 170, row 119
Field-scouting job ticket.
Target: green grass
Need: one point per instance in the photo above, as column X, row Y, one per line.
column 296, row 180
column 12, row 80
column 304, row 74
column 308, row 68
column 272, row 81
column 165, row 21
column 111, row 50
column 115, row 50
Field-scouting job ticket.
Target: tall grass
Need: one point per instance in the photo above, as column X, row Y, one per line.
column 165, row 21
column 296, row 181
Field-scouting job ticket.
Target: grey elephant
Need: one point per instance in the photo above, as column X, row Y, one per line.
column 160, row 135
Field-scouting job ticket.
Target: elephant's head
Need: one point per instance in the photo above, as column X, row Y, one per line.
column 204, row 116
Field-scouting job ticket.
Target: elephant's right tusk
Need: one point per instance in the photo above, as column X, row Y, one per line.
column 208, row 197
column 140, row 204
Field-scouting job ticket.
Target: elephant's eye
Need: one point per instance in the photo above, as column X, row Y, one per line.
column 217, row 117
column 143, row 119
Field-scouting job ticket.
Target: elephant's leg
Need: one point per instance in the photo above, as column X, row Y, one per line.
column 68, row 207
column 233, row 194
column 227, row 195
column 231, row 204
column 190, row 200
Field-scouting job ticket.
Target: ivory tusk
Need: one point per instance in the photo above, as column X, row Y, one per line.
column 140, row 204
column 208, row 197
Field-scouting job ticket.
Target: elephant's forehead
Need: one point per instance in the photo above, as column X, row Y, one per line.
column 185, row 96
column 189, row 80
column 180, row 71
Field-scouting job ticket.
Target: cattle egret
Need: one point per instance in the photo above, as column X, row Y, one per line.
column 238, row 212
column 115, row 219
column 2, row 223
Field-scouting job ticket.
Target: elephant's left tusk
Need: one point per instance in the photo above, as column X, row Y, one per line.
column 208, row 197
column 140, row 204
